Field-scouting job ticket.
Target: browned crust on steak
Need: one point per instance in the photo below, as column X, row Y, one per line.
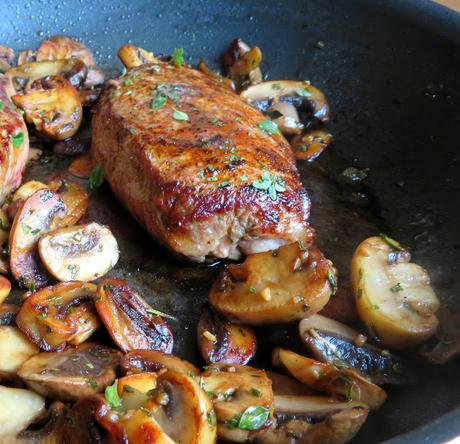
column 190, row 182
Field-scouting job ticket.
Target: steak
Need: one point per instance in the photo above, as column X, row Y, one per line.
column 196, row 165
column 14, row 141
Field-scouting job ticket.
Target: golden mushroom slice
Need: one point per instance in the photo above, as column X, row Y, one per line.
column 242, row 398
column 52, row 104
column 59, row 315
column 15, row 349
column 325, row 377
column 81, row 252
column 393, row 295
column 310, row 145
column 283, row 285
column 132, row 56
column 19, row 409
column 5, row 288
column 34, row 219
column 72, row 374
column 136, row 389
column 177, row 411
column 27, row 189
column 302, row 95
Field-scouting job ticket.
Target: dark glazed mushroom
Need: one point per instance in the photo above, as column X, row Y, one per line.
column 130, row 321
column 59, row 315
column 8, row 314
column 53, row 106
column 335, row 343
column 221, row 341
column 310, row 145
column 72, row 374
column 35, row 218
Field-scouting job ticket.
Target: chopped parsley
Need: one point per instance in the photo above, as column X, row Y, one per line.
column 42, row 316
column 17, row 140
column 396, row 288
column 244, row 178
column 254, row 392
column 253, row 418
column 111, row 395
column 154, row 312
column 93, row 384
column 74, row 269
column 302, row 92
column 179, row 115
column 158, row 102
column 276, row 86
column 252, row 290
column 271, row 184
column 178, row 57
column 96, row 177
column 211, row 418
column 127, row 82
column 301, row 245
column 2, row 105
column 224, row 184
column 391, row 242
column 269, row 127
column 354, row 174
column 332, row 281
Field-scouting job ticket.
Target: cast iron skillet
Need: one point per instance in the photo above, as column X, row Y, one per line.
column 391, row 72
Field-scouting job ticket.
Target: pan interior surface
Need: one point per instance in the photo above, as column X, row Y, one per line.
column 390, row 72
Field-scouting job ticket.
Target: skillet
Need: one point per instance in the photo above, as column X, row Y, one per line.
column 390, row 72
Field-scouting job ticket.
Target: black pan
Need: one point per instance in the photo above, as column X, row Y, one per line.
column 391, row 72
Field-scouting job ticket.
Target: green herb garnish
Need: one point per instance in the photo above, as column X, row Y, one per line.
column 17, row 140
column 276, row 86
column 127, row 82
column 111, row 395
column 211, row 418
column 254, row 392
column 253, row 418
column 391, row 242
column 158, row 102
column 269, row 127
column 93, row 384
column 178, row 57
column 303, row 92
column 396, row 288
column 271, row 184
column 332, row 281
column 96, row 177
column 179, row 115
column 2, row 105
column 160, row 313
column 354, row 174
column 42, row 316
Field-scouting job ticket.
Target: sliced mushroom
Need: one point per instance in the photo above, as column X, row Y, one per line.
column 221, row 341
column 134, row 390
column 59, row 315
column 53, row 106
column 285, row 385
column 19, row 409
column 75, row 199
column 23, row 76
column 34, row 219
column 72, row 374
column 242, row 398
column 27, row 189
column 82, row 425
column 335, row 422
column 241, row 63
column 303, row 95
column 205, row 69
column 15, row 349
column 132, row 56
column 82, row 166
column 5, row 288
column 82, row 252
column 287, row 118
column 130, row 321
column 393, row 295
column 8, row 314
column 336, row 343
column 330, row 379
column 177, row 411
column 6, row 58
column 139, row 361
column 282, row 285
column 310, row 145
column 50, row 432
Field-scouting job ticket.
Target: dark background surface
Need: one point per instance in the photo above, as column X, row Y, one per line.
column 390, row 70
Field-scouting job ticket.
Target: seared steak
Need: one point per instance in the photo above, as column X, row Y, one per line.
column 197, row 166
column 14, row 141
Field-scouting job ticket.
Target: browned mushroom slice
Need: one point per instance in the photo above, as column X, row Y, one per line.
column 139, row 361
column 34, row 219
column 75, row 199
column 333, row 422
column 82, row 425
column 59, row 315
column 81, row 252
column 242, row 398
column 19, row 409
column 310, row 145
column 49, row 432
column 15, row 349
column 134, row 390
column 72, row 374
column 282, row 285
column 27, row 189
column 204, row 68
column 327, row 378
column 221, row 341
column 6, row 58
column 242, row 63
column 130, row 321
column 176, row 411
column 74, row 70
column 336, row 343
column 285, row 385
column 5, row 288
column 132, row 56
column 8, row 314
column 304, row 96
column 53, row 106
